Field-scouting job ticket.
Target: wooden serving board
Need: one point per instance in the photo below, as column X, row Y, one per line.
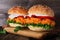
column 27, row 33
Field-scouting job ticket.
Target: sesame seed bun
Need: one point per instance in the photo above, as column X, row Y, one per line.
column 40, row 9
column 17, row 10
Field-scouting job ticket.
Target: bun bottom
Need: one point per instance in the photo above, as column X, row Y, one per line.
column 14, row 25
column 36, row 28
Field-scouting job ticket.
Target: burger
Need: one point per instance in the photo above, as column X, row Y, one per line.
column 16, row 16
column 37, row 18
column 40, row 18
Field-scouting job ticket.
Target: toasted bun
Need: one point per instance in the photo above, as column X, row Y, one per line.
column 17, row 10
column 36, row 28
column 40, row 9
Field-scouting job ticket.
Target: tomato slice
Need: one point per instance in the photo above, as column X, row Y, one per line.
column 43, row 17
column 34, row 16
column 27, row 17
column 40, row 17
column 20, row 16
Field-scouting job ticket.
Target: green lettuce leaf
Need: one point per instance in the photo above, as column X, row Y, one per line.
column 46, row 26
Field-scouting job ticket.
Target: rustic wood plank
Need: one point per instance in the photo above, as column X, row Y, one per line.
column 27, row 33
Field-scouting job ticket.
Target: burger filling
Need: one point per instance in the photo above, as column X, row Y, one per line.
column 17, row 21
column 45, row 22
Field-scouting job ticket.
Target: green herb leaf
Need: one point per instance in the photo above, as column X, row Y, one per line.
column 2, row 31
column 17, row 28
column 39, row 25
column 26, row 25
column 47, row 26
column 18, row 23
column 33, row 24
column 10, row 21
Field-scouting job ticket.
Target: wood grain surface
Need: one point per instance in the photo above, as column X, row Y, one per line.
column 32, row 34
column 27, row 33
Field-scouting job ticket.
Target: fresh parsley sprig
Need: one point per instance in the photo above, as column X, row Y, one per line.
column 2, row 31
column 17, row 28
column 10, row 21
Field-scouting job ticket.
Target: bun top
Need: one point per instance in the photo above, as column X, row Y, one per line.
column 41, row 10
column 17, row 10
